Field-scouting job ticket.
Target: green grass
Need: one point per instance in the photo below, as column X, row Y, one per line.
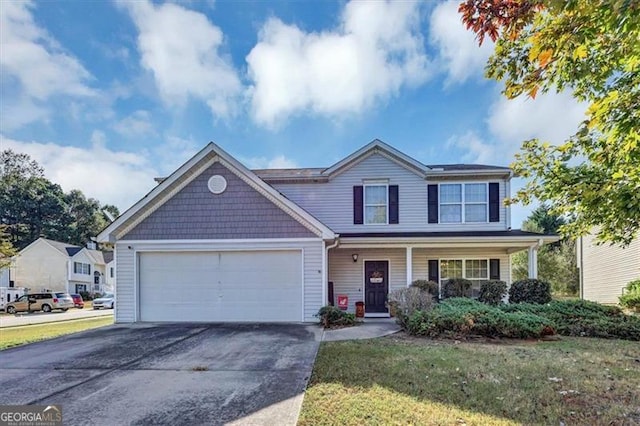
column 404, row 380
column 16, row 336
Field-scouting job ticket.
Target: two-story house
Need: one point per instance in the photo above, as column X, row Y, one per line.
column 216, row 241
column 48, row 265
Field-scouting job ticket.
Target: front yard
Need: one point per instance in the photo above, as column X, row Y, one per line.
column 16, row 336
column 405, row 380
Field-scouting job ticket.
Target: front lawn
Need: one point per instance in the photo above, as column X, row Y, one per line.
column 15, row 336
column 406, row 380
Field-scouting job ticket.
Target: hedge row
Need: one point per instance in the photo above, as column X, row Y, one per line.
column 462, row 316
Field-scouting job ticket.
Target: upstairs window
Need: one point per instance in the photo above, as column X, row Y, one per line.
column 463, row 203
column 81, row 268
column 375, row 204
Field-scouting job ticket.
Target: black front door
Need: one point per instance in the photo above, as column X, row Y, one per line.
column 376, row 286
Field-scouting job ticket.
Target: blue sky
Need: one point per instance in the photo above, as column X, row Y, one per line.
column 108, row 95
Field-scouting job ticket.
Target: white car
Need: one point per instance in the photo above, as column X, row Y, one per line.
column 106, row 301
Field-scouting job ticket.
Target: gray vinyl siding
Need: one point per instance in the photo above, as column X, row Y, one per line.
column 196, row 213
column 348, row 276
column 126, row 284
column 332, row 202
column 606, row 269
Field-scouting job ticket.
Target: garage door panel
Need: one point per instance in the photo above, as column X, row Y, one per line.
column 221, row 286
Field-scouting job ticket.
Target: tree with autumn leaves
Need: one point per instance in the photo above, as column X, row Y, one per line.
column 592, row 49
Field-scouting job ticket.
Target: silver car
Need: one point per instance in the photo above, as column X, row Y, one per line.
column 106, row 301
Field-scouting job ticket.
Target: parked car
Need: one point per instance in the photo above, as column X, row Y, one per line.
column 77, row 301
column 45, row 302
column 106, row 301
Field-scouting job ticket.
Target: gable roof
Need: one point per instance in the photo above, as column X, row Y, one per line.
column 64, row 248
column 186, row 173
column 377, row 147
column 320, row 174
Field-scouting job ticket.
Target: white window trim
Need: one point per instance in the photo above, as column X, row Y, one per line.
column 80, row 269
column 365, row 205
column 462, row 203
column 464, row 265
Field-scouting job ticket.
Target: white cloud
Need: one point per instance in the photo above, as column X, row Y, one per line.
column 181, row 48
column 551, row 117
column 137, row 124
column 376, row 49
column 34, row 60
column 113, row 177
column 475, row 149
column 459, row 53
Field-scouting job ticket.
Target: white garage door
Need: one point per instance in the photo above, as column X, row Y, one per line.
column 221, row 286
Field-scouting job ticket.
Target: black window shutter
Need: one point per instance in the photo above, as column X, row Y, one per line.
column 433, row 270
column 432, row 203
column 494, row 202
column 357, row 205
column 494, row 269
column 394, row 211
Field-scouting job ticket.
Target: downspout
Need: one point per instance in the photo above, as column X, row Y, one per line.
column 325, row 272
column 580, row 275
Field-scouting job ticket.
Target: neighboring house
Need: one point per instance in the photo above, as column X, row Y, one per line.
column 606, row 269
column 216, row 241
column 5, row 277
column 52, row 265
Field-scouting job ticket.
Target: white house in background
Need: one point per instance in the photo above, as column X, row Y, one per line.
column 5, row 277
column 216, row 241
column 56, row 266
column 605, row 269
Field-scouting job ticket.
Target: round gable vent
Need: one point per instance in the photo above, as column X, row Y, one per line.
column 217, row 184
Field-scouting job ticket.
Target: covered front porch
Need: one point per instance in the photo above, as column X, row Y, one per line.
column 367, row 269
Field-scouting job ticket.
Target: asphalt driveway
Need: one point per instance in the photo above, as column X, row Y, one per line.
column 166, row 374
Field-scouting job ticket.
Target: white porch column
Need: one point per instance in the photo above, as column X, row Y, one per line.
column 409, row 266
column 533, row 262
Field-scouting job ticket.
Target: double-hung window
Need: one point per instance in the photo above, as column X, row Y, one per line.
column 474, row 270
column 81, row 268
column 376, row 204
column 463, row 203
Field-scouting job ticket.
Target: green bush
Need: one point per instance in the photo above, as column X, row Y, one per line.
column 86, row 295
column 492, row 292
column 405, row 301
column 583, row 318
column 530, row 291
column 334, row 316
column 462, row 317
column 631, row 297
column 456, row 287
column 429, row 286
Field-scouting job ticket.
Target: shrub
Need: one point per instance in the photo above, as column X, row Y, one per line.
column 456, row 287
column 334, row 316
column 631, row 297
column 429, row 286
column 86, row 295
column 583, row 318
column 530, row 291
column 460, row 317
column 492, row 292
column 408, row 300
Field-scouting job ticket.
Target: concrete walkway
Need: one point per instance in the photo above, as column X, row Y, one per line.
column 369, row 329
column 7, row 320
